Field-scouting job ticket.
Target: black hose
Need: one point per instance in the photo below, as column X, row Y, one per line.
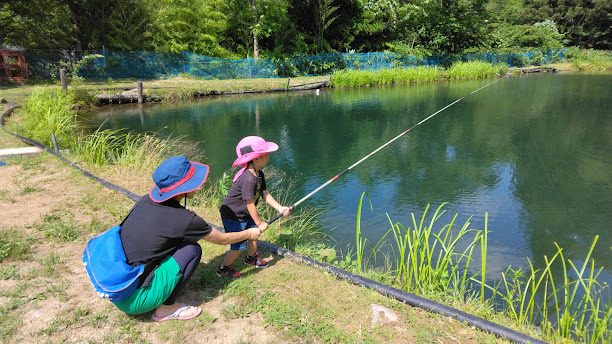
column 408, row 298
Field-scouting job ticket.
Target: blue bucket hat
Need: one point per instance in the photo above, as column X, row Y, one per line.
column 176, row 176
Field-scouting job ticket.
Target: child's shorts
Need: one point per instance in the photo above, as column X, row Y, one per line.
column 236, row 226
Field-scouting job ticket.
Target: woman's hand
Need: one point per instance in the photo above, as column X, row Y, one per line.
column 263, row 226
column 254, row 233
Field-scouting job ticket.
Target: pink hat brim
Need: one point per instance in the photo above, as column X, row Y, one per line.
column 262, row 148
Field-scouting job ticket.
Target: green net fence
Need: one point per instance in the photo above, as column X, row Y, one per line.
column 106, row 64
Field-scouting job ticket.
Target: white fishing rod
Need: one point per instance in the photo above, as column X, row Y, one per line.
column 377, row 149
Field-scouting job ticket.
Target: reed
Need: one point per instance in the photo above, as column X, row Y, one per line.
column 48, row 111
column 429, row 262
column 360, row 262
column 570, row 308
column 473, row 70
column 389, row 76
column 140, row 152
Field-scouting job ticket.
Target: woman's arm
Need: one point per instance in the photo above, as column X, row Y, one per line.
column 220, row 238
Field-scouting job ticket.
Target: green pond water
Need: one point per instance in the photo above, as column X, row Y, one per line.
column 533, row 152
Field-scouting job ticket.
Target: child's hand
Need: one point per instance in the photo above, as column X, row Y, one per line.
column 284, row 210
column 254, row 233
column 263, row 226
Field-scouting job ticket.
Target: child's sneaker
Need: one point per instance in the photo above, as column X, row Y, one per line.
column 254, row 260
column 227, row 271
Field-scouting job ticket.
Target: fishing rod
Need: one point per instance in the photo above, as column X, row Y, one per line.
column 376, row 150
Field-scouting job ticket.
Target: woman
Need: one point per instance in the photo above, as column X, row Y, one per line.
column 163, row 236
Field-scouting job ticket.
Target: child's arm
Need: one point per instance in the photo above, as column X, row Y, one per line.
column 250, row 204
column 274, row 204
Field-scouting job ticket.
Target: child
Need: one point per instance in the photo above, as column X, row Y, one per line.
column 238, row 211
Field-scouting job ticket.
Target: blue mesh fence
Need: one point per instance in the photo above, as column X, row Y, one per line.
column 154, row 65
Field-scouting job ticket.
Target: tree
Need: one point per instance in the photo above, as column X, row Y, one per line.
column 129, row 26
column 450, row 26
column 327, row 25
column 584, row 23
column 35, row 26
column 188, row 25
column 257, row 19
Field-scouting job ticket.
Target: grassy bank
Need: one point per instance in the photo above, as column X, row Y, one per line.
column 49, row 211
column 123, row 159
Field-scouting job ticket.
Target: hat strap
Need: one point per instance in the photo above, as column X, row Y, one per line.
column 188, row 176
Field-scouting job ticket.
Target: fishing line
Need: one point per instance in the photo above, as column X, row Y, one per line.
column 378, row 149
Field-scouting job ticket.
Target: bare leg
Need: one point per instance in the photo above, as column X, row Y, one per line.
column 251, row 247
column 230, row 257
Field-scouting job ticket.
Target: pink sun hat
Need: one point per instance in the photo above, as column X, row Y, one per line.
column 249, row 148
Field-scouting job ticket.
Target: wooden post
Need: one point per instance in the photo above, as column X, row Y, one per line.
column 140, row 92
column 63, row 79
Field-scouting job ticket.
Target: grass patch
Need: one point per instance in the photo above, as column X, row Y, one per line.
column 474, row 70
column 15, row 245
column 55, row 227
column 589, row 59
column 429, row 263
column 9, row 272
column 399, row 76
column 48, row 111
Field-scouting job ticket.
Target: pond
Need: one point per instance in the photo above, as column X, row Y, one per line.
column 532, row 152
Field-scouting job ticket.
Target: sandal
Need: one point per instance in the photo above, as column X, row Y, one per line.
column 176, row 315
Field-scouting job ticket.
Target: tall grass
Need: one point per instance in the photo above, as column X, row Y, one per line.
column 391, row 76
column 356, row 78
column 138, row 151
column 566, row 306
column 48, row 111
column 589, row 59
column 473, row 70
column 430, row 262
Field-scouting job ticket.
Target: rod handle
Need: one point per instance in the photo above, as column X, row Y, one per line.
column 279, row 215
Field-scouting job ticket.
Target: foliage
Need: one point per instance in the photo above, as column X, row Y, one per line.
column 194, row 26
column 541, row 35
column 288, row 28
column 48, row 111
column 588, row 59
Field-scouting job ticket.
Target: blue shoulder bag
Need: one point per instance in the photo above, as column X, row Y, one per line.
column 112, row 277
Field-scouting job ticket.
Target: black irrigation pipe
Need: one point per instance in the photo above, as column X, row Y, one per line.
column 408, row 298
column 400, row 295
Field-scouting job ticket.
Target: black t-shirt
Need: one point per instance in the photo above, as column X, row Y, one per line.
column 245, row 188
column 152, row 231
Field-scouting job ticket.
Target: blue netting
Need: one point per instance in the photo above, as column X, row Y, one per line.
column 154, row 65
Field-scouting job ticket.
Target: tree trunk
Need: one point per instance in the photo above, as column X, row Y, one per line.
column 255, row 21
